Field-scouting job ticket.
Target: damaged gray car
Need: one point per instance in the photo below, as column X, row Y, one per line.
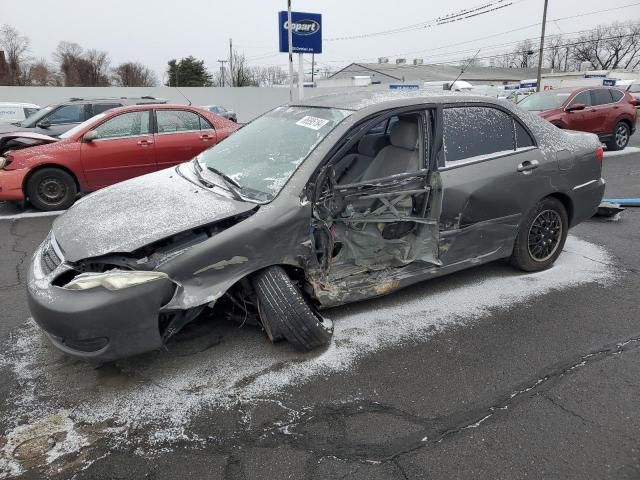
column 332, row 200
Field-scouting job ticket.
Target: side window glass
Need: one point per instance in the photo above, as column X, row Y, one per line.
column 67, row 114
column 583, row 98
column 617, row 95
column 475, row 131
column 600, row 96
column 177, row 121
column 103, row 107
column 204, row 124
column 523, row 139
column 635, row 88
column 130, row 124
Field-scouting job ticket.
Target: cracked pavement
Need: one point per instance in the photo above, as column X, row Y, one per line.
column 546, row 388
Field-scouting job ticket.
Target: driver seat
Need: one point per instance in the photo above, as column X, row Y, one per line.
column 401, row 156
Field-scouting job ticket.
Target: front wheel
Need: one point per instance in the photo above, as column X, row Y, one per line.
column 621, row 135
column 51, row 189
column 283, row 309
column 541, row 237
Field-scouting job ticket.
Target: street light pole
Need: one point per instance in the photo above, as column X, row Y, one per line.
column 290, row 40
column 544, row 25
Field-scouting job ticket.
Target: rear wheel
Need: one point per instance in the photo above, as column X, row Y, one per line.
column 283, row 309
column 541, row 237
column 621, row 135
column 51, row 189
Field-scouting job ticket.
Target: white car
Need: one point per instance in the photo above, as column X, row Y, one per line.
column 16, row 112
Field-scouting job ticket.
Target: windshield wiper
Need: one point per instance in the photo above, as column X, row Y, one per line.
column 228, row 180
column 224, row 176
column 202, row 180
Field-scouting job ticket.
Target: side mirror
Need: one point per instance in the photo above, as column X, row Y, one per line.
column 43, row 124
column 576, row 107
column 90, row 136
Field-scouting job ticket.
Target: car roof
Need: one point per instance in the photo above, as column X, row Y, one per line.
column 359, row 100
column 124, row 100
column 156, row 106
column 578, row 89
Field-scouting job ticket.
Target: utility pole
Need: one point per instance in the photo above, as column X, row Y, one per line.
column 544, row 25
column 313, row 65
column 222, row 62
column 290, row 40
column 231, row 62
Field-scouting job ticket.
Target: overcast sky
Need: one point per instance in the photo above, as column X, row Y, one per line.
column 153, row 32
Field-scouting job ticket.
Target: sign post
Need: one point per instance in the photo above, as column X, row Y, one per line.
column 300, row 33
column 290, row 49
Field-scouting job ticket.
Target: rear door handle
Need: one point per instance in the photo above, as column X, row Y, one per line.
column 204, row 137
column 528, row 166
column 145, row 143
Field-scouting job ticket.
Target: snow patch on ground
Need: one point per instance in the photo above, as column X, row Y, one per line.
column 619, row 153
column 149, row 401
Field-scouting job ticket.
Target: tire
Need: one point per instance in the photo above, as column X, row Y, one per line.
column 621, row 135
column 51, row 189
column 285, row 310
column 531, row 251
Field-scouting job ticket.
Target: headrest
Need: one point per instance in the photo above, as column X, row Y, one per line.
column 404, row 134
column 370, row 145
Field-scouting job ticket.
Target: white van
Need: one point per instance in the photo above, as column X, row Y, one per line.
column 16, row 112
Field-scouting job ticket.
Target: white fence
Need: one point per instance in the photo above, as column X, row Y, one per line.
column 247, row 102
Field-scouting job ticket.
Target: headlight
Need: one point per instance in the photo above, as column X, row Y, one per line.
column 3, row 162
column 113, row 280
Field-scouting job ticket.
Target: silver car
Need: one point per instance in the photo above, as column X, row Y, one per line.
column 223, row 112
column 332, row 200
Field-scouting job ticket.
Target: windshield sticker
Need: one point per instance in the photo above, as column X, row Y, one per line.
column 314, row 123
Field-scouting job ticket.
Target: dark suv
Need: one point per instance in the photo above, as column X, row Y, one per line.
column 608, row 112
column 56, row 119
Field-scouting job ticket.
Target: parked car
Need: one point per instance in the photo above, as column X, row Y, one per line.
column 328, row 201
column 223, row 112
column 56, row 119
column 608, row 112
column 111, row 147
column 16, row 112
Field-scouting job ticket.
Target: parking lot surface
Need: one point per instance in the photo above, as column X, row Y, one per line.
column 487, row 373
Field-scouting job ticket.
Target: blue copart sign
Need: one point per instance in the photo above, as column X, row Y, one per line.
column 306, row 34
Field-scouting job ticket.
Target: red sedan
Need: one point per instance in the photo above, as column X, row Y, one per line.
column 111, row 147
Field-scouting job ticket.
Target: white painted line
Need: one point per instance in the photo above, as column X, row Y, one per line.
column 159, row 394
column 17, row 216
column 619, row 153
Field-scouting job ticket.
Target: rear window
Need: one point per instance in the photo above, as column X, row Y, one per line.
column 476, row 131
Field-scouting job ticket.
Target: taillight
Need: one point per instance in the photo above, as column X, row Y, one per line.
column 633, row 101
column 599, row 154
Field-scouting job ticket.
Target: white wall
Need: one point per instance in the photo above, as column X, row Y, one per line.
column 247, row 102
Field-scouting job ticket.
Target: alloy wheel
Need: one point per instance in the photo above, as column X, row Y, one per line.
column 622, row 136
column 544, row 235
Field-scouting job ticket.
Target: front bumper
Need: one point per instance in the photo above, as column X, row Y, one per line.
column 11, row 184
column 96, row 324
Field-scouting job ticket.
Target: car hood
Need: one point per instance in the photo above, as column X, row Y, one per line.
column 24, row 140
column 6, row 127
column 129, row 215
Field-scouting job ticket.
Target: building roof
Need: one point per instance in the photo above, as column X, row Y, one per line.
column 391, row 72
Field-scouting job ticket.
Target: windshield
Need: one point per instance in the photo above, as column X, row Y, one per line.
column 540, row 102
column 261, row 156
column 81, row 126
column 35, row 118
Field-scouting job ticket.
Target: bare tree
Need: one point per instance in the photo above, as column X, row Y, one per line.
column 555, row 52
column 41, row 74
column 98, row 68
column 525, row 55
column 241, row 74
column 80, row 68
column 15, row 47
column 610, row 47
column 133, row 74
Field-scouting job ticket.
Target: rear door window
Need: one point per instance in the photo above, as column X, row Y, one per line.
column 173, row 121
column 103, row 107
column 600, row 96
column 476, row 131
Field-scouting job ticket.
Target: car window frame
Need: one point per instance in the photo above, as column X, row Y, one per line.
column 95, row 127
column 59, row 107
column 593, row 90
column 356, row 132
column 155, row 122
column 571, row 102
column 93, row 105
column 441, row 159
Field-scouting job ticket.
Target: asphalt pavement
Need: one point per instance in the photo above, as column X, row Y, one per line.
column 483, row 374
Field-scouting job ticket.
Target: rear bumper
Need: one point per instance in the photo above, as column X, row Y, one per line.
column 586, row 198
column 11, row 185
column 96, row 324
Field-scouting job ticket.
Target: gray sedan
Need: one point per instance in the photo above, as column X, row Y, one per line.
column 223, row 112
column 333, row 200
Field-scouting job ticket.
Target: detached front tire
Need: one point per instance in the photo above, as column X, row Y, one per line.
column 541, row 237
column 51, row 189
column 283, row 309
